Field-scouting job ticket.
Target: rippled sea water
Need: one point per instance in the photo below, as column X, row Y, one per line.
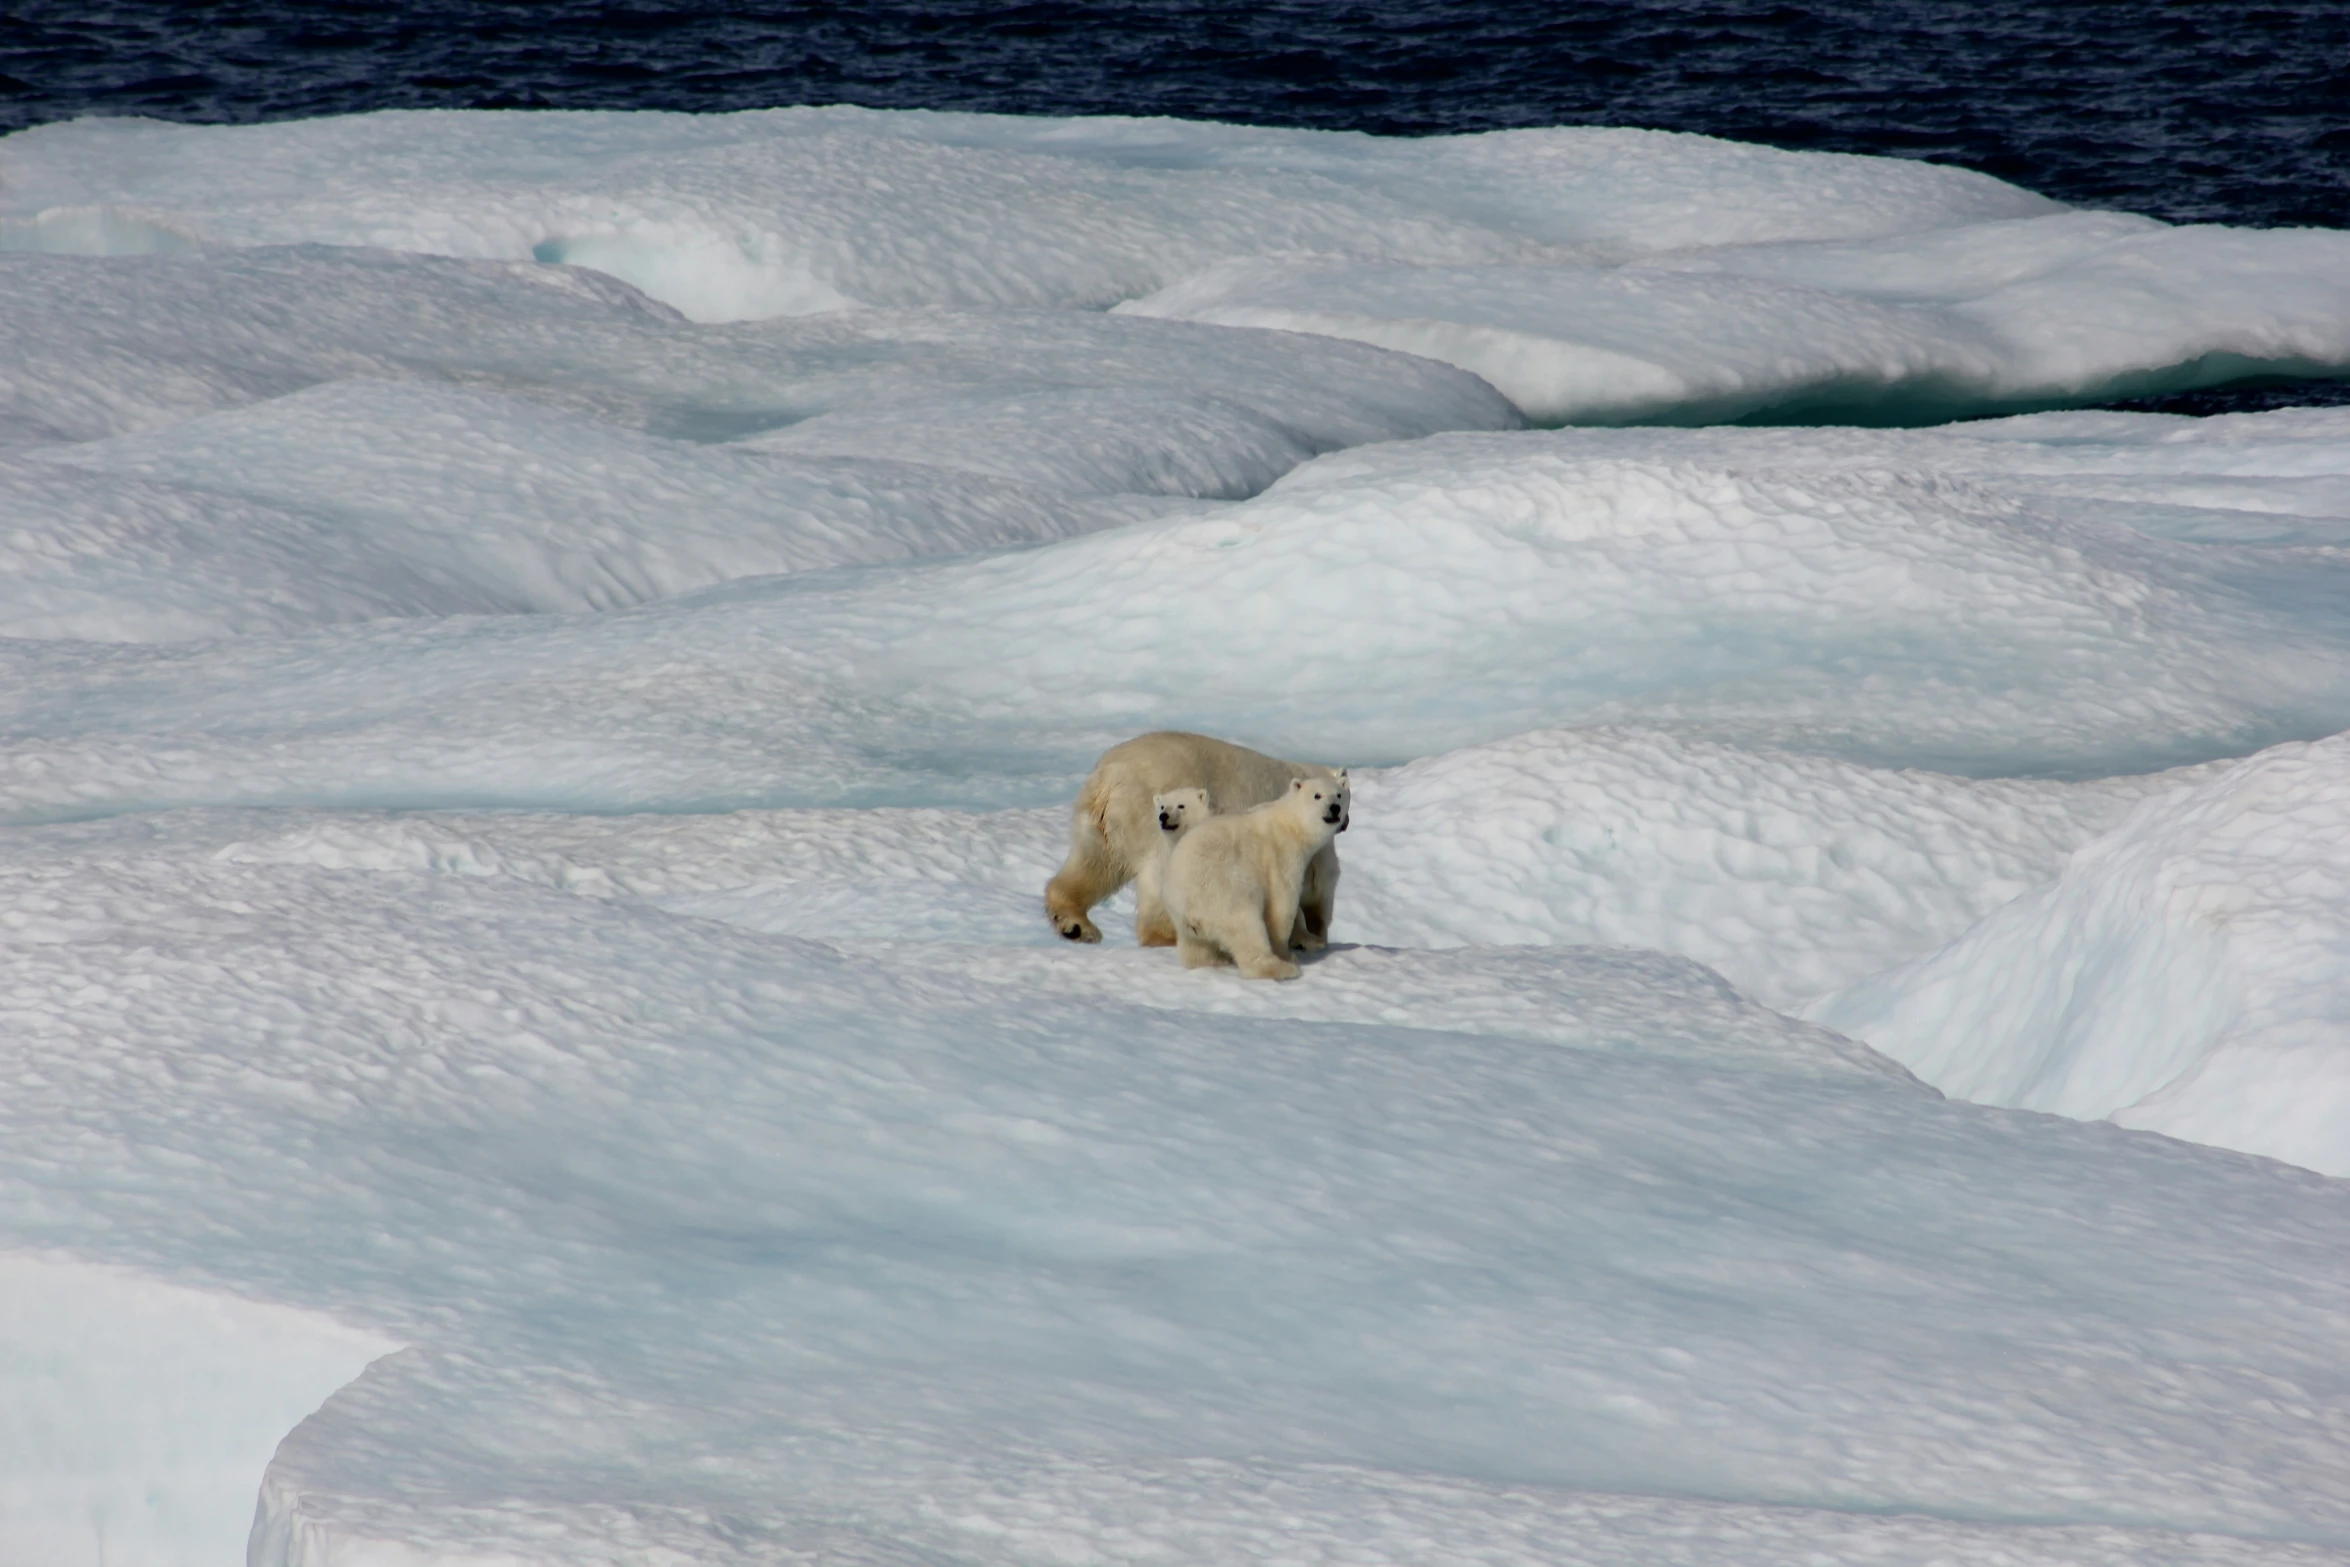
column 2189, row 110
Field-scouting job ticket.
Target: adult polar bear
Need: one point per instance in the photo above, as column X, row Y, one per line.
column 1233, row 883
column 1114, row 835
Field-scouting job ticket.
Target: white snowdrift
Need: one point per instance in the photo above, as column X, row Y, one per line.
column 2279, row 478
column 92, row 348
column 1377, row 605
column 2185, row 974
column 2076, row 307
column 137, row 1417
column 1789, row 874
column 274, row 440
column 362, row 500
column 790, row 211
column 728, row 1244
column 955, row 893
column 1590, row 274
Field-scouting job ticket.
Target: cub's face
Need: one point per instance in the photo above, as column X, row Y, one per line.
column 1181, row 808
column 1327, row 798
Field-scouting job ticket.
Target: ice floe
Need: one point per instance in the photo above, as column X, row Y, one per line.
column 714, row 1241
column 1591, row 274
column 542, row 663
column 794, row 211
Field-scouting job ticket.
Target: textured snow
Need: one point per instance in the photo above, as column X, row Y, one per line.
column 800, row 1227
column 96, row 347
column 1591, row 274
column 1415, row 598
column 2279, row 478
column 2184, row 974
column 2077, row 306
column 396, row 436
column 1788, row 874
column 363, row 500
column 792, row 211
column 543, row 660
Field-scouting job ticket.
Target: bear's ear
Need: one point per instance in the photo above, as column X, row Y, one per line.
column 1342, row 775
column 1296, row 784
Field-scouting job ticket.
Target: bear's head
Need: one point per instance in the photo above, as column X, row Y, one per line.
column 1181, row 808
column 1328, row 800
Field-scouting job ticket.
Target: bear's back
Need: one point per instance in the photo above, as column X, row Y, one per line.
column 1235, row 777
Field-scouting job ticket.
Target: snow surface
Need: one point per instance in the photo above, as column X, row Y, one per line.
column 792, row 211
column 729, row 1243
column 2183, row 974
column 1905, row 329
column 1413, row 598
column 542, row 663
column 1590, row 274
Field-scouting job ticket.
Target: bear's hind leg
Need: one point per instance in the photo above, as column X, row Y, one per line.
column 1153, row 926
column 1068, row 907
column 1090, row 874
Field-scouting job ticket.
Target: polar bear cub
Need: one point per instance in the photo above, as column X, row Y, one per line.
column 1114, row 835
column 1232, row 884
column 1179, row 810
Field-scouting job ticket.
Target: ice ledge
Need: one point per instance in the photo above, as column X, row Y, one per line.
column 137, row 1417
column 286, row 1535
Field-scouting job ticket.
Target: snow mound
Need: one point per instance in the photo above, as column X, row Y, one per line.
column 360, row 500
column 1591, row 274
column 1912, row 329
column 2183, row 975
column 100, row 347
column 1789, row 874
column 792, row 211
column 1377, row 605
column 2280, row 478
column 1420, row 596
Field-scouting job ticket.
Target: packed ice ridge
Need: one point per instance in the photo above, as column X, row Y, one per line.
column 545, row 660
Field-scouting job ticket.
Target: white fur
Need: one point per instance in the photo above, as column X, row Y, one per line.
column 1233, row 884
column 1114, row 835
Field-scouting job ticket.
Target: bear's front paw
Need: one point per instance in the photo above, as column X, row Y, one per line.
column 1277, row 968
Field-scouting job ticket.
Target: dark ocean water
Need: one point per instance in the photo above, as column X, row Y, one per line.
column 2191, row 110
